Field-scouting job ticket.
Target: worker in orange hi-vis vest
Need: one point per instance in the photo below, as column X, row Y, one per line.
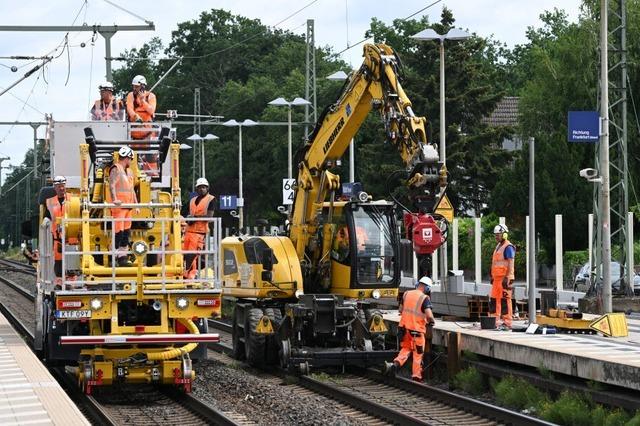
column 502, row 276
column 55, row 210
column 415, row 317
column 122, row 192
column 108, row 107
column 194, row 237
column 141, row 107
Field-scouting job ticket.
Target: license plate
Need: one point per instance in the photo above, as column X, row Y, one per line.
column 73, row 314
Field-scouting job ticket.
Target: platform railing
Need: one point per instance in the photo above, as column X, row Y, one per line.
column 158, row 278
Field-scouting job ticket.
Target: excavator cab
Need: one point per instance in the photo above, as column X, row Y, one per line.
column 365, row 250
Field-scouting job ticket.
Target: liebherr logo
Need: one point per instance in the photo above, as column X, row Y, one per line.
column 333, row 136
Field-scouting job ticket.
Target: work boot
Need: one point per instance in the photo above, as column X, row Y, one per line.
column 390, row 368
column 417, row 379
column 124, row 261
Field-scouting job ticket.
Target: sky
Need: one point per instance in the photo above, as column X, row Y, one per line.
column 69, row 84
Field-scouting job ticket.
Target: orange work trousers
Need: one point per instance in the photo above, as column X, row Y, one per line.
column 192, row 241
column 121, row 225
column 500, row 304
column 412, row 346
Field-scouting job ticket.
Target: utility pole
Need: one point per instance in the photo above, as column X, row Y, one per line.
column 2, row 159
column 531, row 244
column 197, row 129
column 310, row 111
column 607, row 305
column 106, row 31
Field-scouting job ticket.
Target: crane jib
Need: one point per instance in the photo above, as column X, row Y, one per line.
column 333, row 136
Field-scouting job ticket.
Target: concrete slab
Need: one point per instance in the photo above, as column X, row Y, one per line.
column 614, row 361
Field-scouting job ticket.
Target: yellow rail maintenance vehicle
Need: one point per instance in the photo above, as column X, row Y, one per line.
column 308, row 299
column 137, row 323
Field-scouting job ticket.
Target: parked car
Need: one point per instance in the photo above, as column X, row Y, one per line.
column 581, row 280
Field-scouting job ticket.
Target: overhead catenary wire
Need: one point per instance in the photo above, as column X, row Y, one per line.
column 367, row 38
column 146, row 21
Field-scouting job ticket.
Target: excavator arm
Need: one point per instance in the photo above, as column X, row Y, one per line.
column 375, row 86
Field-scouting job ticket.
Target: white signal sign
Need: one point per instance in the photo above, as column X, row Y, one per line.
column 288, row 191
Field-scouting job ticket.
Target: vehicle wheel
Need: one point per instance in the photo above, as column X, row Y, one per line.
column 272, row 349
column 284, row 352
column 238, row 347
column 254, row 343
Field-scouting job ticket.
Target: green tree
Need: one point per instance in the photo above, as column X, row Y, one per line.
column 555, row 72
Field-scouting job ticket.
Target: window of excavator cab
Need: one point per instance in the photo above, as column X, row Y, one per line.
column 375, row 244
column 253, row 249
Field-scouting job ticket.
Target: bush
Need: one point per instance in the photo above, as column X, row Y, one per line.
column 518, row 394
column 470, row 380
column 635, row 420
column 570, row 410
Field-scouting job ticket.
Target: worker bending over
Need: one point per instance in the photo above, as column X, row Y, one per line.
column 502, row 276
column 415, row 316
column 196, row 231
column 56, row 210
column 122, row 192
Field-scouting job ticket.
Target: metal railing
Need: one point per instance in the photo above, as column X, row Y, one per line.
column 157, row 278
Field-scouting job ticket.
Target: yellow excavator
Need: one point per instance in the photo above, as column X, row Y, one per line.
column 308, row 299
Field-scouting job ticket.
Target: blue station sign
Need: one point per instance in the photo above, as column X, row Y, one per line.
column 583, row 126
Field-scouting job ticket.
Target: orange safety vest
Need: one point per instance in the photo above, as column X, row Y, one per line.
column 56, row 210
column 124, row 184
column 412, row 317
column 342, row 237
column 134, row 107
column 500, row 265
column 199, row 226
column 105, row 112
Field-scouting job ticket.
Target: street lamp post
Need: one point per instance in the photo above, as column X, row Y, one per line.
column 197, row 138
column 245, row 123
column 284, row 102
column 453, row 34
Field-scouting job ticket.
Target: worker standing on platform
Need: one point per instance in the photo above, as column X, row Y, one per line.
column 122, row 192
column 415, row 317
column 502, row 277
column 141, row 105
column 196, row 231
column 108, row 107
column 55, row 210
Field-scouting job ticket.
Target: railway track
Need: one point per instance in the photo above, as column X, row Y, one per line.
column 130, row 405
column 383, row 399
column 17, row 266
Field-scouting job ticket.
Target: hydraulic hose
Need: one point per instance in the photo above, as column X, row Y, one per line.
column 176, row 352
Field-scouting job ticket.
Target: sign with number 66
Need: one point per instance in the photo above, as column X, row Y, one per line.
column 288, row 191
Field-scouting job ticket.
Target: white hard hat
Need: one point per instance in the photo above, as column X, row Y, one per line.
column 138, row 80
column 201, row 182
column 125, row 151
column 500, row 229
column 107, row 85
column 59, row 180
column 426, row 281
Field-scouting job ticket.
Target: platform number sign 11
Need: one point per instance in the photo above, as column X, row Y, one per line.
column 228, row 202
column 288, row 191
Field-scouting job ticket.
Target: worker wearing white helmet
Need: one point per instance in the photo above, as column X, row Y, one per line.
column 122, row 191
column 416, row 320
column 56, row 206
column 141, row 106
column 201, row 205
column 108, row 107
column 502, row 276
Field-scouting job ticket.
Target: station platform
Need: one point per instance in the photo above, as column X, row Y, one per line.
column 29, row 395
column 614, row 361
